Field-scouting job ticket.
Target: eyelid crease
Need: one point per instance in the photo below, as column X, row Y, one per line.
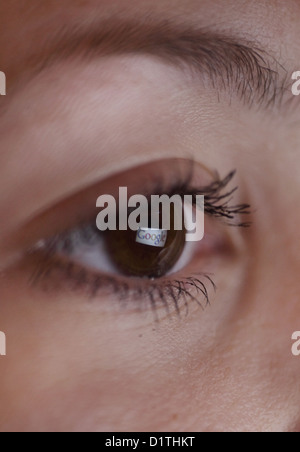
column 217, row 204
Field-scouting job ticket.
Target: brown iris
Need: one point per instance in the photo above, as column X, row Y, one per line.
column 145, row 260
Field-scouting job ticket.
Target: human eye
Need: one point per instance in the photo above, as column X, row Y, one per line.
column 146, row 268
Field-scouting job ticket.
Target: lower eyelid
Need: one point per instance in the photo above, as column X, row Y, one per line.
column 167, row 294
column 173, row 293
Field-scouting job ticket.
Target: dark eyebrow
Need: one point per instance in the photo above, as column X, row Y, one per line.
column 228, row 63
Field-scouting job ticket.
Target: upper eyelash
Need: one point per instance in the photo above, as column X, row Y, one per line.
column 216, row 202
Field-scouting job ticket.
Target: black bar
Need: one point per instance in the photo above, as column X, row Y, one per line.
column 145, row 441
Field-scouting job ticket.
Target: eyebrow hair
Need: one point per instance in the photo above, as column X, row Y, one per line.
column 228, row 63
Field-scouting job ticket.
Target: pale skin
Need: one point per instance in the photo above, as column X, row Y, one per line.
column 73, row 365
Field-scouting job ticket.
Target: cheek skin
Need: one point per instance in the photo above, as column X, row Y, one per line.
column 67, row 380
column 79, row 369
column 112, row 371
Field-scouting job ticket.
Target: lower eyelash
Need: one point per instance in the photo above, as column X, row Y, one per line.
column 172, row 295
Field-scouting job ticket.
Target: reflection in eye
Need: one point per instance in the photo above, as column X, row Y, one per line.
column 145, row 259
column 124, row 262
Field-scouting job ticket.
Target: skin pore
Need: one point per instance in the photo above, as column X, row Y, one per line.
column 78, row 117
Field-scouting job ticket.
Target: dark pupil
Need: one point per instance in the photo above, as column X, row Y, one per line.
column 142, row 260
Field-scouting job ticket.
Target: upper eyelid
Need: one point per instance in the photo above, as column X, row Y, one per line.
column 217, row 205
column 185, row 172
